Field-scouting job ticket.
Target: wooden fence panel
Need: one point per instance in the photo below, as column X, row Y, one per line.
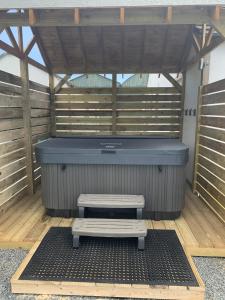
column 138, row 111
column 210, row 156
column 13, row 176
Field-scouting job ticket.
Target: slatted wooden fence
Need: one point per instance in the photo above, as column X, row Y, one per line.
column 133, row 111
column 210, row 147
column 13, row 160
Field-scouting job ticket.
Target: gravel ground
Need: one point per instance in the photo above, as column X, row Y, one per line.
column 212, row 271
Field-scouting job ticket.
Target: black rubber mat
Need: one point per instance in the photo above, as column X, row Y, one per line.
column 111, row 260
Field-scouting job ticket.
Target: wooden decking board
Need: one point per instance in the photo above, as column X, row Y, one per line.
column 198, row 228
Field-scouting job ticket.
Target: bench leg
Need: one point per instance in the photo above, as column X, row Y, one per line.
column 76, row 241
column 139, row 213
column 141, row 243
column 81, row 212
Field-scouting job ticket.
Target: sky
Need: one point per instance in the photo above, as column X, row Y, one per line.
column 35, row 53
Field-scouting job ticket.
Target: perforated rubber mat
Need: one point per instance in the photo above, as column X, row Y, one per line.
column 111, row 260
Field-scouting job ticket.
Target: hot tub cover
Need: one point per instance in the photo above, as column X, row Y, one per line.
column 128, row 151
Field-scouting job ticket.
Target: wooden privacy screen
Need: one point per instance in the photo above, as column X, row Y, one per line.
column 13, row 160
column 210, row 156
column 131, row 111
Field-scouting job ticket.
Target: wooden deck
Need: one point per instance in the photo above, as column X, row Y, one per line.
column 198, row 229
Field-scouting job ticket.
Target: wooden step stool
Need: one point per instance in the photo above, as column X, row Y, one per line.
column 116, row 228
column 110, row 201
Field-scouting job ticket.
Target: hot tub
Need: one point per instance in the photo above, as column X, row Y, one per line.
column 147, row 166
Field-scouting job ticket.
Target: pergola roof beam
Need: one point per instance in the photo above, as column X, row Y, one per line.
column 58, row 4
column 106, row 17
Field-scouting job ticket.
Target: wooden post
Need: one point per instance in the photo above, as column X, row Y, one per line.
column 198, row 121
column 27, row 123
column 52, row 104
column 114, row 92
column 182, row 105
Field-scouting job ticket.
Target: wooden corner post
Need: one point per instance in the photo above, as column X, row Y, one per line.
column 114, row 93
column 182, row 105
column 26, row 104
column 52, row 104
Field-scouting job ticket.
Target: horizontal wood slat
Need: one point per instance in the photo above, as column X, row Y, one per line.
column 216, row 110
column 214, row 205
column 145, row 90
column 214, row 87
column 213, row 121
column 210, row 154
column 137, row 127
column 215, row 133
column 214, row 98
column 10, row 101
column 10, row 112
column 15, row 80
column 212, row 167
column 220, row 198
column 212, row 144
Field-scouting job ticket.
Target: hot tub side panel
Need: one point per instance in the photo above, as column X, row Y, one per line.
column 163, row 187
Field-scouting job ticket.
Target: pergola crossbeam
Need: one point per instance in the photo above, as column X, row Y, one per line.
column 12, row 38
column 61, row 83
column 173, row 81
column 30, row 46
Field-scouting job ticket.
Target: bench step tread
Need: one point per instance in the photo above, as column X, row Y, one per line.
column 109, row 227
column 111, row 200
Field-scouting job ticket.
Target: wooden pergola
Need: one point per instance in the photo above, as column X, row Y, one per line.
column 110, row 37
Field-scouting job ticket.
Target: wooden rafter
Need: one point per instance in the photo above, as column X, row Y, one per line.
column 77, row 16
column 173, row 81
column 216, row 13
column 164, row 48
column 209, row 37
column 101, row 42
column 42, row 51
column 186, row 50
column 143, row 48
column 219, row 27
column 30, row 46
column 122, row 34
column 12, row 38
column 214, row 43
column 196, row 43
column 83, row 50
column 36, row 64
column 203, row 36
column 169, row 15
column 122, row 16
column 61, row 83
column 63, row 50
column 20, row 38
column 32, row 17
column 9, row 49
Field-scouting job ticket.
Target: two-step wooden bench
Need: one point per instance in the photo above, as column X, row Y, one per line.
column 110, row 201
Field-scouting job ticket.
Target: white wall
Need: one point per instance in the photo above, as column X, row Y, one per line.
column 11, row 64
column 217, row 64
column 155, row 81
column 193, row 80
